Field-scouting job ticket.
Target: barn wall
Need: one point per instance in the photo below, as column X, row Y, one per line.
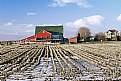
column 43, row 34
column 73, row 40
column 31, row 38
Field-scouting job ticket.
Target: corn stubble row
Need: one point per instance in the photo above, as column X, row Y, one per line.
column 19, row 58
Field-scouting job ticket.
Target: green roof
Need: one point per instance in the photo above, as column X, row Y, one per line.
column 58, row 29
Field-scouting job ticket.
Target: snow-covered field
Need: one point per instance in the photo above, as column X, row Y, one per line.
column 42, row 72
column 60, row 62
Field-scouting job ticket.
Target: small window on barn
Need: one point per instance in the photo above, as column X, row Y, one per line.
column 43, row 31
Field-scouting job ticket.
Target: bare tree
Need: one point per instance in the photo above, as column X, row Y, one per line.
column 100, row 36
column 84, row 32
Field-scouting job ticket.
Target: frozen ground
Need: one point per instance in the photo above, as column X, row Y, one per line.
column 42, row 72
column 60, row 62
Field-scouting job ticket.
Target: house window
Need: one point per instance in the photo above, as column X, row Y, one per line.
column 112, row 33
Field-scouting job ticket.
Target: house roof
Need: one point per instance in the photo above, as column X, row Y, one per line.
column 49, row 28
column 113, row 30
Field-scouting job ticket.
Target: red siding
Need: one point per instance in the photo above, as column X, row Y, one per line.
column 73, row 40
column 31, row 38
column 43, row 34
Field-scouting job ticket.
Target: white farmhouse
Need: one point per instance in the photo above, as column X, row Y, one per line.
column 113, row 35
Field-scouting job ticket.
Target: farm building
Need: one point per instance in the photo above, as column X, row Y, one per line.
column 55, row 33
column 47, row 34
column 113, row 35
column 75, row 39
column 30, row 39
column 43, row 36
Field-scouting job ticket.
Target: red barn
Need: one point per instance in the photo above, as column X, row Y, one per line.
column 31, row 38
column 73, row 40
column 43, row 34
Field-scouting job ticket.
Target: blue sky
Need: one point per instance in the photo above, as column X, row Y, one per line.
column 18, row 18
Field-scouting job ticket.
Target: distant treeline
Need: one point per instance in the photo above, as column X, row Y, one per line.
column 8, row 42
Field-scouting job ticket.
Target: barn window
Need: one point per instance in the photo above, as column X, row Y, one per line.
column 43, row 31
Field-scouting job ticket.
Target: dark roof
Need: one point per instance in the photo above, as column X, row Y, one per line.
column 54, row 33
column 49, row 28
column 112, row 30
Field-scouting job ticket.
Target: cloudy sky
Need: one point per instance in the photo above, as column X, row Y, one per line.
column 18, row 18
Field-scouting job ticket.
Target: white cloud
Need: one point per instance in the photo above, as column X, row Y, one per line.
column 19, row 30
column 30, row 25
column 94, row 20
column 11, row 31
column 29, row 31
column 8, row 24
column 61, row 3
column 71, row 28
column 119, row 18
column 24, row 29
column 50, row 25
column 31, row 13
column 86, row 21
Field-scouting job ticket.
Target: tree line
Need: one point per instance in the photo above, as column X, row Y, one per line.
column 85, row 33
